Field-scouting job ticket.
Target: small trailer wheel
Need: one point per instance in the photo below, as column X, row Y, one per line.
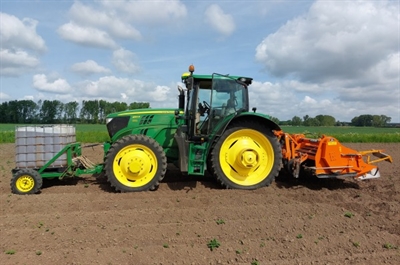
column 26, row 181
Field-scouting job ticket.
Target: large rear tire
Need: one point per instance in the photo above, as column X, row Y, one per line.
column 135, row 163
column 26, row 181
column 246, row 156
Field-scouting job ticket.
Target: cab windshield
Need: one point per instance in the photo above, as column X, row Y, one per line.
column 228, row 95
column 223, row 97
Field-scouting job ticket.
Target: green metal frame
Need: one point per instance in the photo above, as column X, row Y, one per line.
column 71, row 150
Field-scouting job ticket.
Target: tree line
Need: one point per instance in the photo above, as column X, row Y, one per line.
column 54, row 111
column 95, row 111
column 327, row 120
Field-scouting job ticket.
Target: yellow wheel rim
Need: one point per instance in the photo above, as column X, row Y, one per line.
column 246, row 157
column 25, row 183
column 135, row 165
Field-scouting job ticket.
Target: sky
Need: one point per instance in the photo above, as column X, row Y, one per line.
column 338, row 58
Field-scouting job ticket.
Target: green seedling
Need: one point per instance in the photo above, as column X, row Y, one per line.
column 389, row 246
column 255, row 262
column 213, row 244
column 348, row 214
column 220, row 222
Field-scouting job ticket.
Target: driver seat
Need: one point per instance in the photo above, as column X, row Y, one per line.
column 230, row 107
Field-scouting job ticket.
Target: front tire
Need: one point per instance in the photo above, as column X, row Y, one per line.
column 26, row 181
column 135, row 163
column 247, row 156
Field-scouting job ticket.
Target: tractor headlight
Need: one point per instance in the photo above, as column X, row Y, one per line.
column 116, row 124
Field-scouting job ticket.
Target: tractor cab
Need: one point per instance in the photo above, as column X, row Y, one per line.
column 211, row 100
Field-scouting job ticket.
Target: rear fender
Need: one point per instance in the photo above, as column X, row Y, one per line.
column 229, row 121
column 260, row 118
column 256, row 117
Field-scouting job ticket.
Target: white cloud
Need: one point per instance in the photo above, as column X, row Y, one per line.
column 89, row 67
column 29, row 97
column 16, row 33
column 14, row 63
column 268, row 98
column 109, row 21
column 19, row 41
column 309, row 101
column 61, row 97
column 221, row 22
column 103, row 25
column 339, row 59
column 161, row 93
column 385, row 71
column 41, row 83
column 110, row 86
column 86, row 36
column 333, row 40
column 4, row 96
column 115, row 88
column 284, row 100
column 124, row 96
column 160, row 12
column 123, row 60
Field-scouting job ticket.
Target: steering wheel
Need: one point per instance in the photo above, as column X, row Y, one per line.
column 206, row 106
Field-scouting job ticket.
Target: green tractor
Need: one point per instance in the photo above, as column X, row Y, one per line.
column 212, row 130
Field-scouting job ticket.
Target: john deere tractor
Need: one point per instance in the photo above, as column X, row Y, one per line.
column 211, row 130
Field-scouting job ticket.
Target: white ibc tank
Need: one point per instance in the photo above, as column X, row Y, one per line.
column 36, row 145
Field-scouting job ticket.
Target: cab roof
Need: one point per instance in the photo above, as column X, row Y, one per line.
column 246, row 80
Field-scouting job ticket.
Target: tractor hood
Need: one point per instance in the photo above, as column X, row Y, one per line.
column 140, row 112
column 139, row 120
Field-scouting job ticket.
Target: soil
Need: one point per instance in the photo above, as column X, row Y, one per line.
column 293, row 221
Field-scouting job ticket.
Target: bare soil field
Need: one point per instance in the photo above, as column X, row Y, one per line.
column 305, row 221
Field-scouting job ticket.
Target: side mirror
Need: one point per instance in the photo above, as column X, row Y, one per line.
column 178, row 115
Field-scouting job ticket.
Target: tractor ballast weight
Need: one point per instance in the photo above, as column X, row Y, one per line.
column 213, row 131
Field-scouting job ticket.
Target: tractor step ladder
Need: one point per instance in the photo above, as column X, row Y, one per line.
column 197, row 153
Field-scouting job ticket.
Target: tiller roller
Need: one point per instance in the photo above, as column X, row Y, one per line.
column 326, row 157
